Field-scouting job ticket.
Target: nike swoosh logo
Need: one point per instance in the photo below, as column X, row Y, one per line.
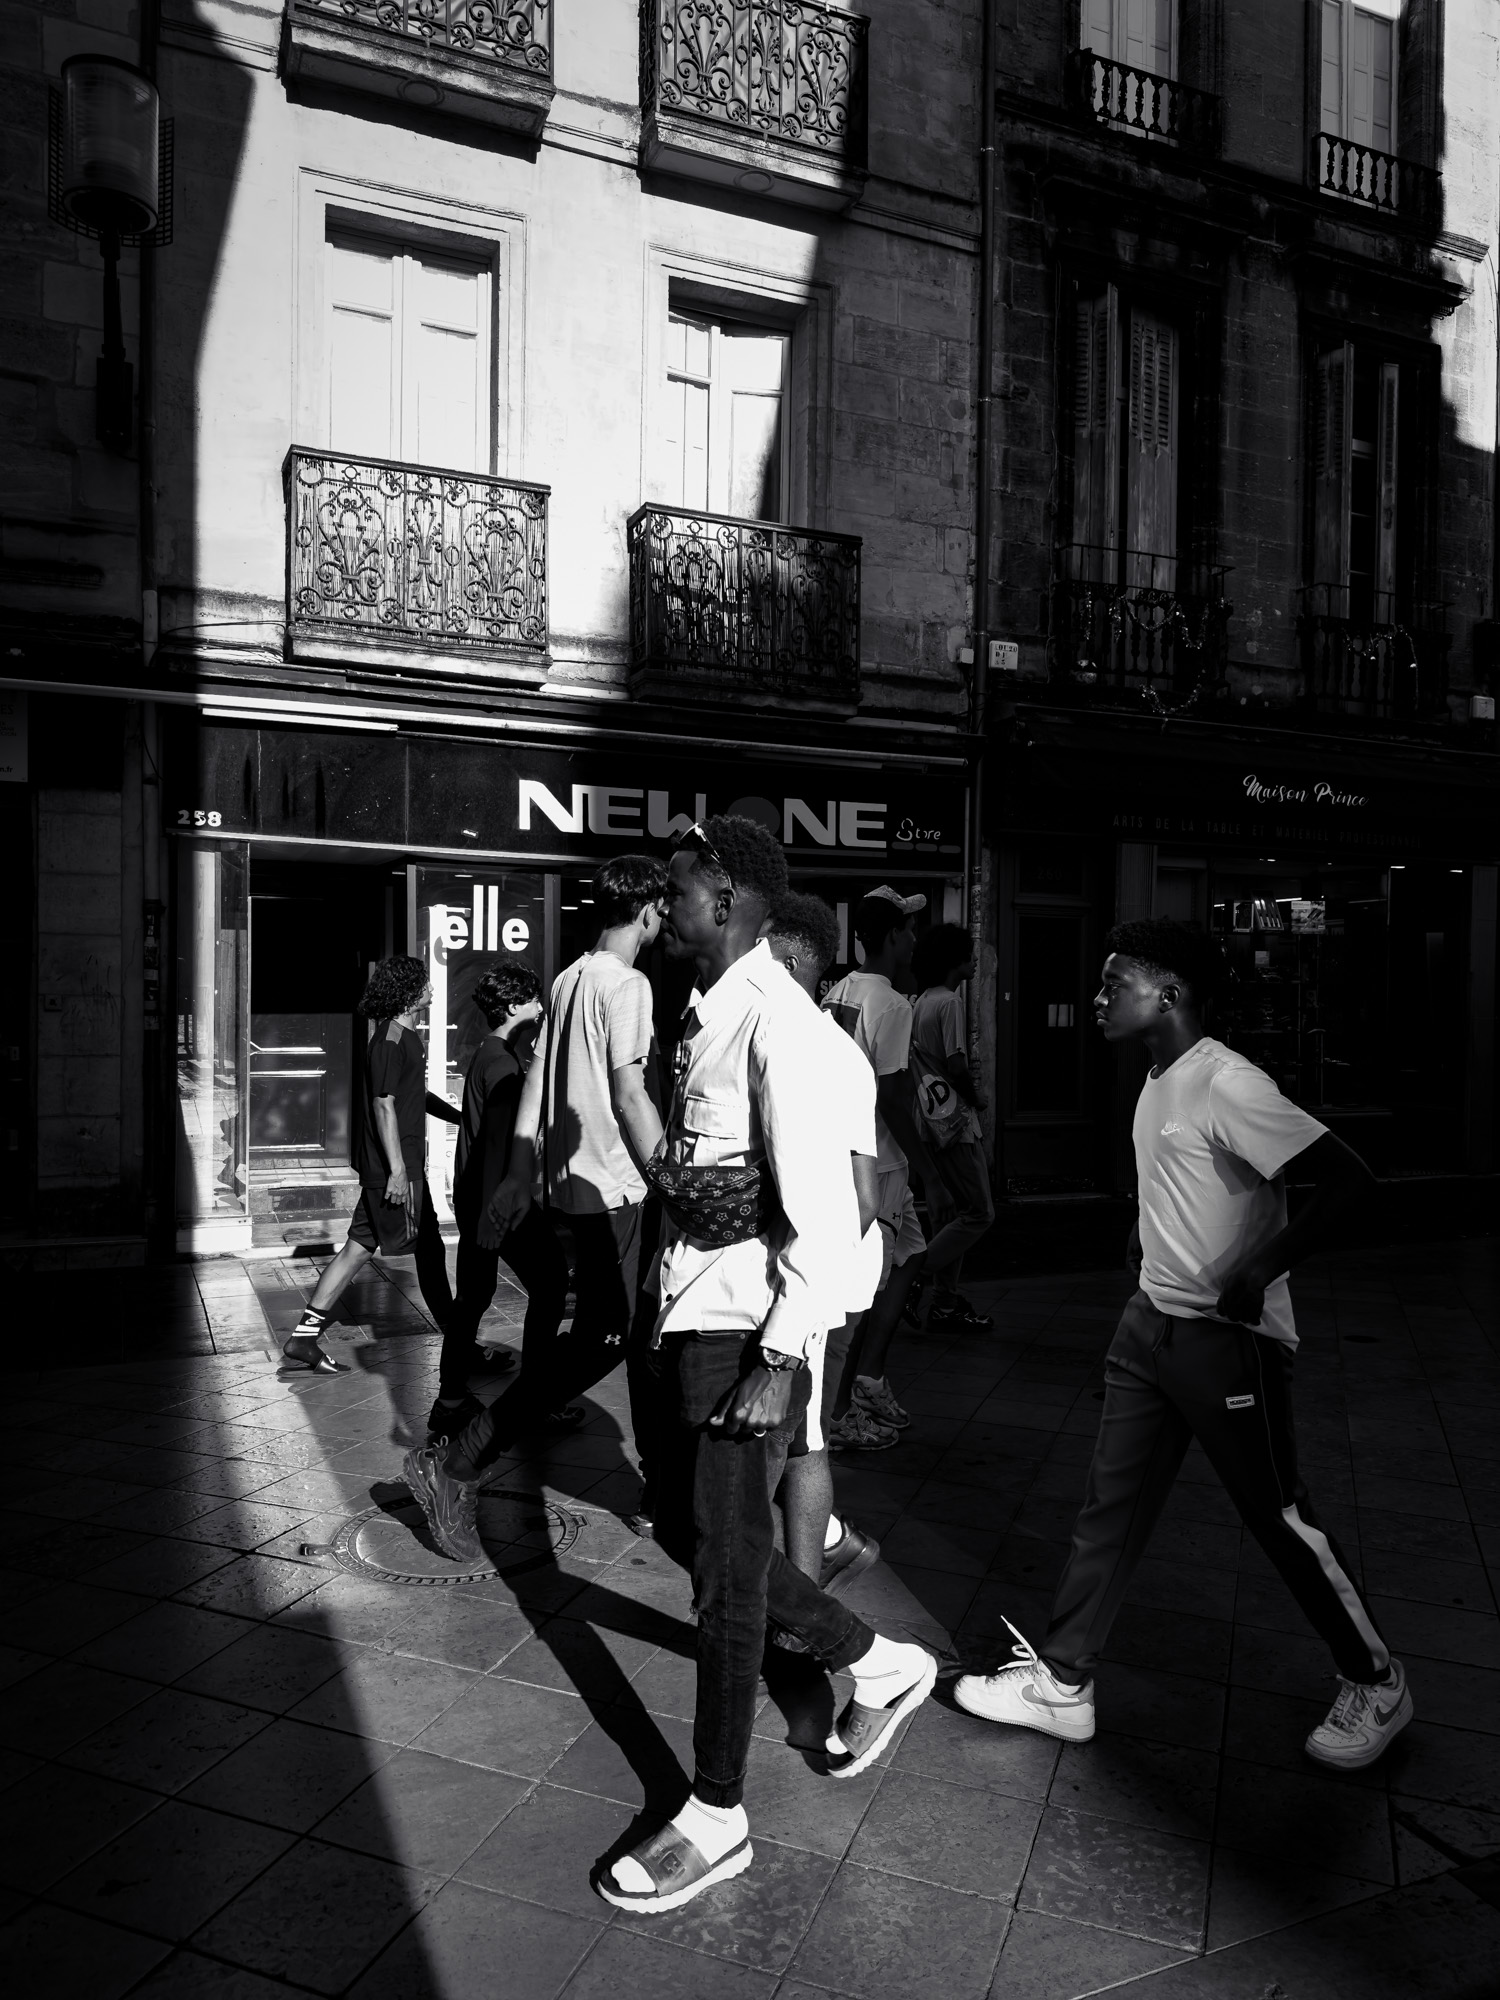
column 1385, row 1715
column 1030, row 1694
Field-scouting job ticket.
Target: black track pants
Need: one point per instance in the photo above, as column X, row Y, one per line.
column 1168, row 1381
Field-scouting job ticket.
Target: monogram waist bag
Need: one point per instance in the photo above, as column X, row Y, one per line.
column 718, row 1206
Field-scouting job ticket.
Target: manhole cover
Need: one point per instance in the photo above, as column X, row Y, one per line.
column 392, row 1544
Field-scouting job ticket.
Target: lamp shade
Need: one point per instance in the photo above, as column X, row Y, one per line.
column 110, row 150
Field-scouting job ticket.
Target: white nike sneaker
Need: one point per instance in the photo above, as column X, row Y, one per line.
column 1027, row 1694
column 1362, row 1723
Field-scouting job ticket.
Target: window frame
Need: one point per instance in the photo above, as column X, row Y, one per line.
column 720, row 390
column 1384, row 10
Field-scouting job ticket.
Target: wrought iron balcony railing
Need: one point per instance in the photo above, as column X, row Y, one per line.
column 770, row 96
column 1378, row 180
column 486, row 59
column 745, row 606
column 1161, row 631
column 1134, row 100
column 386, row 557
column 1383, row 666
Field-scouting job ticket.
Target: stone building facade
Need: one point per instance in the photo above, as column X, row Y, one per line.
column 552, row 421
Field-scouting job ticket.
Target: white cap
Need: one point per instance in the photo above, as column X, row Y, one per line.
column 905, row 904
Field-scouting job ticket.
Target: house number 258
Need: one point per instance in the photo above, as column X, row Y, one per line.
column 198, row 817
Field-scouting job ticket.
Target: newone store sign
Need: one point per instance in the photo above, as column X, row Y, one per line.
column 432, row 795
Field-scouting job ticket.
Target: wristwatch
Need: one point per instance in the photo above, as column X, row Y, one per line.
column 778, row 1362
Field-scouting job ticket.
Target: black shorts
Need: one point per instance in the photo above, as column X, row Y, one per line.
column 387, row 1226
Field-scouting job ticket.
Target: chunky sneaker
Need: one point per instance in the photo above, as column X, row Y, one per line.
column 1362, row 1722
column 876, row 1400
column 851, row 1555
column 857, row 1430
column 956, row 1315
column 443, row 1422
column 450, row 1505
column 1028, row 1694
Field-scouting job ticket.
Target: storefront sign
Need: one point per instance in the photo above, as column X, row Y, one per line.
column 437, row 795
column 1315, row 792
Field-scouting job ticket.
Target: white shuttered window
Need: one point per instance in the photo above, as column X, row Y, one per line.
column 1358, row 70
column 408, row 355
column 1126, row 422
column 724, row 440
column 1140, row 33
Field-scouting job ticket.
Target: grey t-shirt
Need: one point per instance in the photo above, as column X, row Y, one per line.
column 598, row 1020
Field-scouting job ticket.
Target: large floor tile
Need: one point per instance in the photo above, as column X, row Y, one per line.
column 290, row 1774
column 548, row 1847
column 56, row 1817
column 958, row 1836
column 1457, row 1767
column 67, row 1616
column 647, row 1969
column 166, row 1742
column 945, row 1742
column 1312, row 1816
column 62, row 1703
column 461, row 1630
column 318, row 1917
column 505, row 1726
column 1050, row 1958
column 877, row 1934
column 427, row 1813
column 73, row 1957
column 1152, row 1885
column 386, row 1696
column 163, row 1642
column 628, row 1755
column 269, row 1668
column 469, row 1944
column 1255, row 1893
column 171, row 1871
column 1160, row 1786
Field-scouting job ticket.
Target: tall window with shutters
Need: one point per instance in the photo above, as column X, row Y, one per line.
column 1356, row 480
column 408, row 354
column 1142, row 34
column 1127, row 398
column 1358, row 72
column 725, row 445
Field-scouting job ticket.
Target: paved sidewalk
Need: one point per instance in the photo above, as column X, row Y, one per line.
column 240, row 1758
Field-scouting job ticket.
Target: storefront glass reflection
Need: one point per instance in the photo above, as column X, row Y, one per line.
column 212, row 986
column 467, row 920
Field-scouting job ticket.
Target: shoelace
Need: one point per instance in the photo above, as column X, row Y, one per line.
column 1345, row 1713
column 1025, row 1654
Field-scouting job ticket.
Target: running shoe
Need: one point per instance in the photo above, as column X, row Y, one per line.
column 450, row 1505
column 1028, row 1694
column 1362, row 1722
column 857, row 1430
column 493, row 1362
column 444, row 1421
column 956, row 1315
column 876, row 1400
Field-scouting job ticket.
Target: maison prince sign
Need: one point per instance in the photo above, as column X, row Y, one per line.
column 1309, row 792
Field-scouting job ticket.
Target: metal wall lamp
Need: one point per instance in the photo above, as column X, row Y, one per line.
column 109, row 176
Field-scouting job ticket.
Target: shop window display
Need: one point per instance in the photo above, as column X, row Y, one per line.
column 1348, row 992
column 466, row 919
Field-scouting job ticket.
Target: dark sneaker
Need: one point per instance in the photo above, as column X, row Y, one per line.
column 493, row 1362
column 958, row 1316
column 450, row 1505
column 851, row 1555
column 445, row 1421
column 1363, row 1722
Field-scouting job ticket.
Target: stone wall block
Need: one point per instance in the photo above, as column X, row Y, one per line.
column 77, row 1152
column 77, row 843
column 67, row 904
column 896, row 350
column 78, row 1086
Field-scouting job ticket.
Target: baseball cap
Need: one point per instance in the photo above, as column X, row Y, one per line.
column 886, row 894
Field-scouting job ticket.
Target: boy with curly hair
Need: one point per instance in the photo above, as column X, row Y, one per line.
column 395, row 1215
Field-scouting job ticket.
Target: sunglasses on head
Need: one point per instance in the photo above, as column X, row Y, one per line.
column 697, row 842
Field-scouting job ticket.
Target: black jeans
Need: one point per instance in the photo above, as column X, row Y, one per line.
column 533, row 1252
column 606, row 1253
column 1168, row 1381
column 713, row 1515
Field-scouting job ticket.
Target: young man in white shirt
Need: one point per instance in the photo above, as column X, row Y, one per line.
column 948, row 1107
column 738, row 1313
column 1204, row 1350
column 868, row 1007
column 588, row 1097
column 803, row 935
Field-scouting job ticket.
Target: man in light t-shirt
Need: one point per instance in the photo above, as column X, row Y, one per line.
column 1205, row 1350
column 588, row 1099
column 868, row 1007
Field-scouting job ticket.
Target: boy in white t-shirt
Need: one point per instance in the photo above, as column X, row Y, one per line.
column 804, row 937
column 1204, row 1349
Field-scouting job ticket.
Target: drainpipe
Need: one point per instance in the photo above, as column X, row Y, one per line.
column 981, row 1031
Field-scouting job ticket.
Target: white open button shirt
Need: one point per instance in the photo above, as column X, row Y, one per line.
column 752, row 1085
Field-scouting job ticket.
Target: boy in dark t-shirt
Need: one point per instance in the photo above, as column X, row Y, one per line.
column 395, row 1214
column 510, row 998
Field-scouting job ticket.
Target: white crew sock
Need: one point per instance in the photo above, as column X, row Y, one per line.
column 714, row 1830
column 884, row 1670
column 833, row 1534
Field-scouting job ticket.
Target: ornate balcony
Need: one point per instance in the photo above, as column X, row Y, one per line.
column 754, row 611
column 1133, row 100
column 767, row 96
column 488, row 60
column 1377, row 180
column 1159, row 636
column 384, row 559
column 1382, row 668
